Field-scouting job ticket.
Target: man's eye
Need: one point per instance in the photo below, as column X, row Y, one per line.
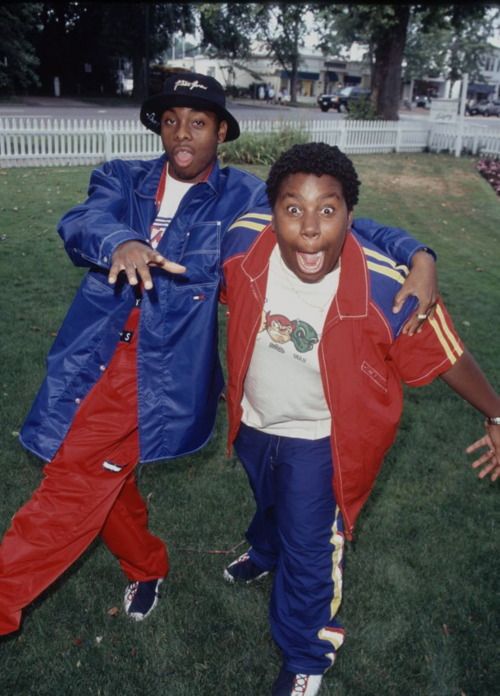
column 198, row 123
column 169, row 121
column 293, row 210
column 327, row 210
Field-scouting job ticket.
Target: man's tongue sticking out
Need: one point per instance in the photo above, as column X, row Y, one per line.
column 183, row 158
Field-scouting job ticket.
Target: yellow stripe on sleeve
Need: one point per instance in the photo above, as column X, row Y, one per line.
column 386, row 259
column 437, row 330
column 384, row 270
column 449, row 333
column 247, row 224
column 257, row 216
column 379, row 257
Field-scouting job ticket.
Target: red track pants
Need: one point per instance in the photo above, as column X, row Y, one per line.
column 89, row 489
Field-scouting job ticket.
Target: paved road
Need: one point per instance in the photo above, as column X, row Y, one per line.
column 52, row 108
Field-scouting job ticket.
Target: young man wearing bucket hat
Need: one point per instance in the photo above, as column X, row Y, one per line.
column 134, row 373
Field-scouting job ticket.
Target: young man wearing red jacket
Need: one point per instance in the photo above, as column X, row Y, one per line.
column 316, row 361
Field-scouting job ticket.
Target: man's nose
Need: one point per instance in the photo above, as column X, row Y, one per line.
column 183, row 132
column 310, row 228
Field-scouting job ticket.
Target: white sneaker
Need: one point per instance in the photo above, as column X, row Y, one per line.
column 290, row 684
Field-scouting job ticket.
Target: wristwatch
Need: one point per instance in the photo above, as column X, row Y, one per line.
column 493, row 420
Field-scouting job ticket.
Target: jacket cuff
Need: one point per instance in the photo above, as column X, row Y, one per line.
column 112, row 241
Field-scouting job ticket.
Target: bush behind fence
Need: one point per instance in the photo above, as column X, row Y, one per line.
column 45, row 142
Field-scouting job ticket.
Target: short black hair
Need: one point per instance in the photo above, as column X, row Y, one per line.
column 318, row 159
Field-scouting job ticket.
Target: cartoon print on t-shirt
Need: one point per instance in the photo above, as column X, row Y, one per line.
column 282, row 330
column 304, row 336
column 279, row 327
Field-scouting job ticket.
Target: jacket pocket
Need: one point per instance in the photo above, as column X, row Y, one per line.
column 374, row 375
column 200, row 255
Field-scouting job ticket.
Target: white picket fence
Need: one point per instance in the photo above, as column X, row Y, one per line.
column 42, row 142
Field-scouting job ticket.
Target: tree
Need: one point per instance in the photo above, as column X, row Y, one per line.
column 82, row 41
column 227, row 28
column 385, row 29
column 142, row 31
column 70, row 47
column 283, row 29
column 382, row 28
column 230, row 29
column 18, row 61
column 447, row 47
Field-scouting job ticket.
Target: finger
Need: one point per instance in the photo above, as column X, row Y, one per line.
column 487, row 470
column 431, row 310
column 170, row 266
column 482, row 442
column 399, row 300
column 414, row 324
column 142, row 270
column 482, row 460
column 411, row 326
column 115, row 269
column 131, row 273
column 173, row 267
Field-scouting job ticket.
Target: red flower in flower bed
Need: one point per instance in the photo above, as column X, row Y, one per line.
column 490, row 170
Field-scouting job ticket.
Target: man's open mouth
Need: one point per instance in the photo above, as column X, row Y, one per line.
column 310, row 263
column 183, row 157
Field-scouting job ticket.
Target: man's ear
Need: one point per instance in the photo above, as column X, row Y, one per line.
column 350, row 219
column 222, row 132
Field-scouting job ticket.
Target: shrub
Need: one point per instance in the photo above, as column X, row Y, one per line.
column 251, row 148
column 362, row 110
column 490, row 170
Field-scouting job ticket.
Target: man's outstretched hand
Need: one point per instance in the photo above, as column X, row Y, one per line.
column 134, row 259
column 488, row 448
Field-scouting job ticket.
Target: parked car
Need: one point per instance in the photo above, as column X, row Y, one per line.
column 486, row 108
column 340, row 100
column 423, row 101
column 328, row 101
column 476, row 107
column 491, row 108
column 348, row 95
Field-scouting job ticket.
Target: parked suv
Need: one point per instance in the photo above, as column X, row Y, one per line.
column 328, row 101
column 340, row 100
column 485, row 108
column 492, row 108
column 348, row 95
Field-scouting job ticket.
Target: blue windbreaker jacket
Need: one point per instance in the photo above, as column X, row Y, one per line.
column 179, row 372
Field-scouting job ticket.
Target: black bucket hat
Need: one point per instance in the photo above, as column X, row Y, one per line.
column 193, row 90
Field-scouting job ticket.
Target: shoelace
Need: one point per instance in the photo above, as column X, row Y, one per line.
column 300, row 684
column 132, row 591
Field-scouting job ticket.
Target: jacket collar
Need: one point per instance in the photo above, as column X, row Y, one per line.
column 352, row 296
column 149, row 185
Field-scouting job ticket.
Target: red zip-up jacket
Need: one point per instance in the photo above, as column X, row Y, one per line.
column 363, row 357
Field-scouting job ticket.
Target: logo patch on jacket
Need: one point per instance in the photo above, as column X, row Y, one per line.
column 126, row 336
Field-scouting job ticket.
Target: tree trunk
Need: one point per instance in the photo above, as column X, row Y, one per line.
column 389, row 52
column 139, row 90
column 293, row 81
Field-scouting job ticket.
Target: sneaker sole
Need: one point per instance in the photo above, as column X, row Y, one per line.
column 230, row 578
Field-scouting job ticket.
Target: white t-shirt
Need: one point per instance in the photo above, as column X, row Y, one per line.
column 283, row 393
column 172, row 196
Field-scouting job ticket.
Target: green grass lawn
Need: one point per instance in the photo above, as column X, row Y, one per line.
column 421, row 600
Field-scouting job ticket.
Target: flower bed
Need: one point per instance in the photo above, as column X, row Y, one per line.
column 490, row 170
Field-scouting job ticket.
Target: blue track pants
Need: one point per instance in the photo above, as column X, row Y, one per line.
column 297, row 531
